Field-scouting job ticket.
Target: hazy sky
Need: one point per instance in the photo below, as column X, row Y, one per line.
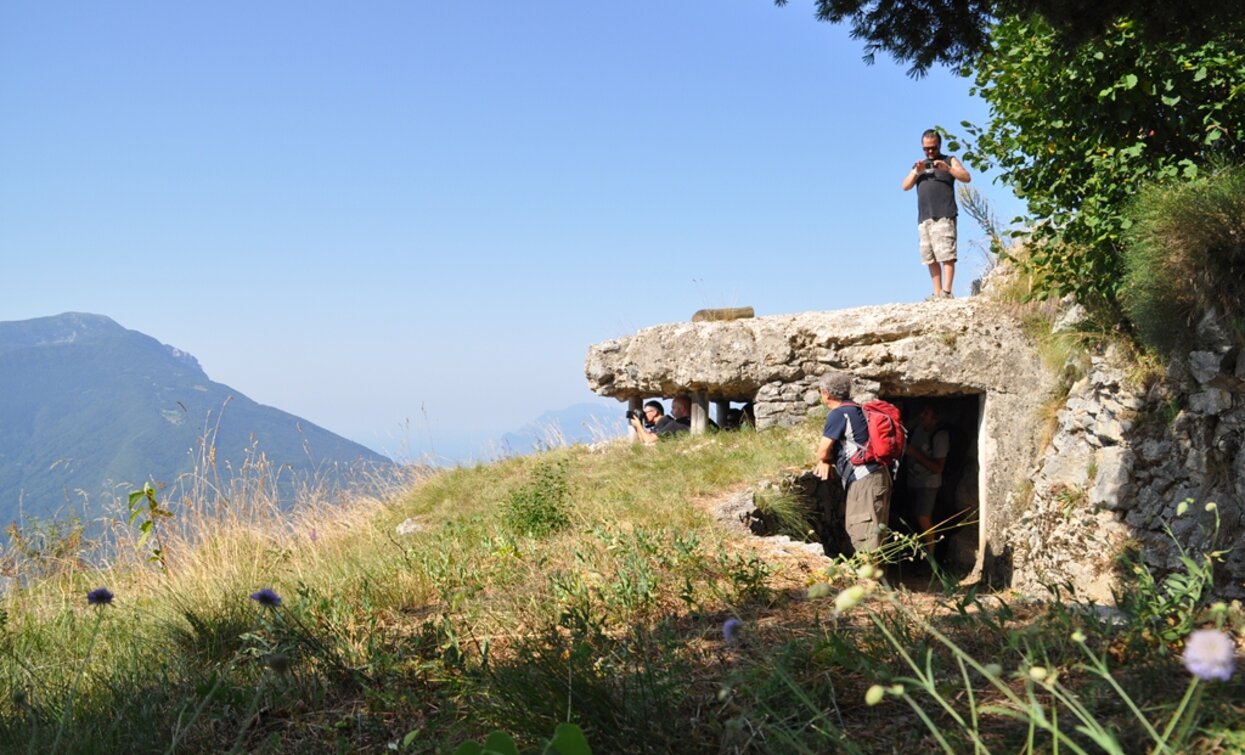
column 406, row 221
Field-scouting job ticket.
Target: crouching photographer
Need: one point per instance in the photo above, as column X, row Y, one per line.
column 653, row 424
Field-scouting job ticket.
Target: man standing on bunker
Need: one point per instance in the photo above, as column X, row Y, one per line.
column 868, row 485
column 934, row 177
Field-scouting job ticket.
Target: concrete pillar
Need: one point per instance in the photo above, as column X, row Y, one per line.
column 722, row 408
column 700, row 413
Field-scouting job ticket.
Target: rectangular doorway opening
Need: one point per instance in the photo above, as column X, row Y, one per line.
column 949, row 501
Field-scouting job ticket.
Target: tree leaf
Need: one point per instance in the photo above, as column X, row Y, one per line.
column 568, row 739
column 500, row 743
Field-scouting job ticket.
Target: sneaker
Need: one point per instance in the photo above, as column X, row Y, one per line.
column 946, row 295
column 933, row 297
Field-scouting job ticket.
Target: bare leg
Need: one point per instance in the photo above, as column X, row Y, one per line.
column 948, row 275
column 935, row 277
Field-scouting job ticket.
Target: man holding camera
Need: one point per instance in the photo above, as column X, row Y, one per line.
column 653, row 423
column 934, row 177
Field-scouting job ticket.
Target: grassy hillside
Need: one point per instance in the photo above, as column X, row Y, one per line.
column 570, row 585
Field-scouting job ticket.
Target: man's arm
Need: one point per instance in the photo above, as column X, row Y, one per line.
column 824, row 455
column 910, row 180
column 643, row 433
column 940, row 447
column 958, row 171
column 932, row 464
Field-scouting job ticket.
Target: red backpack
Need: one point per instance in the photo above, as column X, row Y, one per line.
column 887, row 435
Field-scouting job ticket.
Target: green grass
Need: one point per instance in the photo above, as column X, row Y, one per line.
column 488, row 617
column 1184, row 257
column 507, row 553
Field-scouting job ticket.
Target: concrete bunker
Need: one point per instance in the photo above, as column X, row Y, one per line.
column 965, row 356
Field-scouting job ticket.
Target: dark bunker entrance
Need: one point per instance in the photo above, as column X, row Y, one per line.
column 955, row 514
column 932, row 422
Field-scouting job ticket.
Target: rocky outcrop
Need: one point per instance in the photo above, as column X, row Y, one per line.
column 1120, row 465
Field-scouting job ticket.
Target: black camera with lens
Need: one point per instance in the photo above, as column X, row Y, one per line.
column 928, row 164
column 640, row 416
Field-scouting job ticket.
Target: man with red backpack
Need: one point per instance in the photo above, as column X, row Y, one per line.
column 862, row 459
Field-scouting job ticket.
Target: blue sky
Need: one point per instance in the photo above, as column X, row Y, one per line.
column 406, row 221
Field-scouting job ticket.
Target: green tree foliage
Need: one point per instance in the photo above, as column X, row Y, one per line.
column 920, row 32
column 955, row 32
column 1076, row 130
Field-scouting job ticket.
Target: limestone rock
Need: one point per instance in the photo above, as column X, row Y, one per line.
column 1211, row 333
column 1204, row 365
column 1115, row 468
column 409, row 526
column 1210, row 401
column 1070, row 319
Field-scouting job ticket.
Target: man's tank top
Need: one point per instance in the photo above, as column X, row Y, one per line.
column 935, row 194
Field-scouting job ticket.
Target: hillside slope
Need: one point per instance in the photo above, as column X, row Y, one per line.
column 89, row 407
column 593, row 586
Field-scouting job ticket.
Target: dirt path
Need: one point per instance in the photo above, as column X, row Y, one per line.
column 795, row 563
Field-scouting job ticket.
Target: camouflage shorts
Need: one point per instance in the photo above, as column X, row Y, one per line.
column 937, row 240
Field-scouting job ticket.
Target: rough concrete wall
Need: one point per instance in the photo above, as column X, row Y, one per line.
column 1121, row 462
column 935, row 348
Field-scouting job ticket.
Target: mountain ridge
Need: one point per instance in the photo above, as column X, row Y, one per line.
column 87, row 405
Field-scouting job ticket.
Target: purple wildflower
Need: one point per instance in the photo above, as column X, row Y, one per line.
column 730, row 628
column 100, row 596
column 1209, row 654
column 266, row 597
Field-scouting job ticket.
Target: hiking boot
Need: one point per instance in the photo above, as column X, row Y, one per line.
column 946, row 295
column 934, row 297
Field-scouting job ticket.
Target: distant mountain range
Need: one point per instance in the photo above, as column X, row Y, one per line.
column 579, row 423
column 88, row 407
